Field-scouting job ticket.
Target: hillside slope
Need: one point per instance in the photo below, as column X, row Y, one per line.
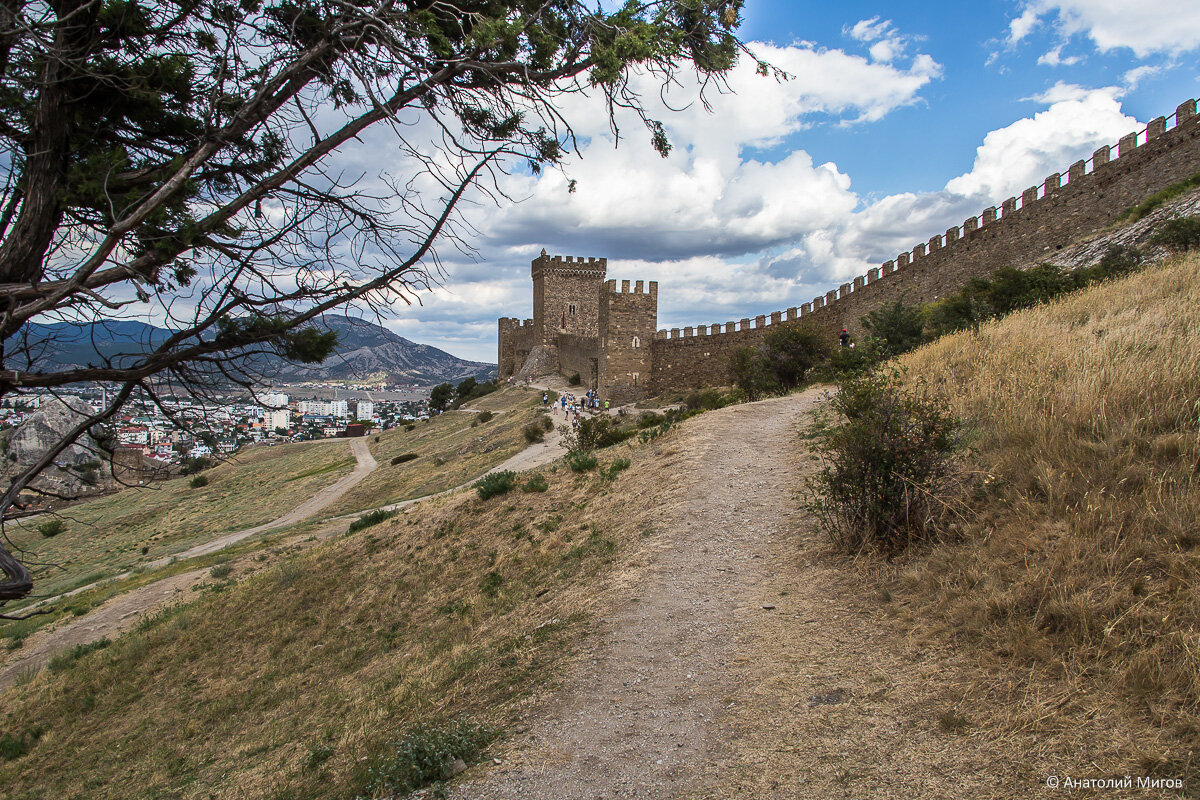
column 1079, row 582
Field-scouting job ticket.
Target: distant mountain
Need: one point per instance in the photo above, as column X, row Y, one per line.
column 365, row 349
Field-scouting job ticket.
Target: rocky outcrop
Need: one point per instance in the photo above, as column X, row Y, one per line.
column 45, row 428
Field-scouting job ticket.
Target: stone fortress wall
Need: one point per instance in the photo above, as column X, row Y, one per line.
column 1021, row 232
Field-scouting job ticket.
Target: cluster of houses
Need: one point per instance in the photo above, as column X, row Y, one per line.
column 223, row 424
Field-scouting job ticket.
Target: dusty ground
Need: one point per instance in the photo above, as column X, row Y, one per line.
column 748, row 661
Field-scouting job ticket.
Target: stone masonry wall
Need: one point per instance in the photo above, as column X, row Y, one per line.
column 1022, row 232
column 627, row 323
column 565, row 292
column 515, row 340
column 579, row 354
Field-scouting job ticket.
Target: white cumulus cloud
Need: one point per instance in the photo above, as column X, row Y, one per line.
column 1146, row 27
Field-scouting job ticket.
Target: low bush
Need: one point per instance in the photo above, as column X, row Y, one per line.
column 1179, row 234
column 648, row 419
column 198, row 481
column 594, row 433
column 616, row 467
column 404, row 458
column 370, row 518
column 66, row 659
column 575, row 379
column 424, row 756
column 13, row 746
column 220, row 571
column 51, row 528
column 581, row 460
column 707, row 400
column 888, row 472
column 193, row 464
column 484, row 417
column 533, row 432
column 495, row 484
column 899, row 326
column 792, row 350
column 749, row 372
column 537, row 483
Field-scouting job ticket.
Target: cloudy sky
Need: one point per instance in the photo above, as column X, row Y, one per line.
column 896, row 122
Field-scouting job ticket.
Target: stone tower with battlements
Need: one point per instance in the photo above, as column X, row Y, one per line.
column 581, row 323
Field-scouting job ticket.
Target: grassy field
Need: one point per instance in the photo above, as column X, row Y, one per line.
column 449, row 451
column 119, row 532
column 295, row 682
column 1078, row 583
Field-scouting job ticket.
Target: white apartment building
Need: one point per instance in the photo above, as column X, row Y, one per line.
column 365, row 410
column 320, row 407
column 340, row 408
column 276, row 418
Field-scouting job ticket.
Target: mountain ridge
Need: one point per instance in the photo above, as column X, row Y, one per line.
column 364, row 349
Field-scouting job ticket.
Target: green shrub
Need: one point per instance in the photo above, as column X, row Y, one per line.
column 1158, row 198
column 51, row 528
column 484, row 417
column 960, row 311
column 409, row 426
column 617, row 467
column 13, row 746
column 791, row 350
column 370, row 518
column 1179, row 234
column 1118, row 260
column 537, row 483
column 533, row 432
column 581, row 460
column 888, row 471
column 750, row 372
column 594, row 433
column 648, row 419
column 575, row 379
column 220, row 571
column 198, row 481
column 193, row 464
column 491, row 583
column 546, row 423
column 66, row 659
column 1010, row 289
column 423, row 756
column 899, row 326
column 495, row 483
column 706, row 400
column 404, row 458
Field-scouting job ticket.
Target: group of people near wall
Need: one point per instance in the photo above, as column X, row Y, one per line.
column 572, row 406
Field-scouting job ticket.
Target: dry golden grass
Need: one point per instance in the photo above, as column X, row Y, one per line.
column 106, row 536
column 286, row 683
column 1078, row 581
column 449, row 451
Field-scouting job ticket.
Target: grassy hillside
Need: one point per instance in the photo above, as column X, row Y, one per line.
column 107, row 535
column 292, row 683
column 1077, row 583
column 450, row 449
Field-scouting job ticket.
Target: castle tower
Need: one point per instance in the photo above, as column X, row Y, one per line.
column 565, row 296
column 628, row 320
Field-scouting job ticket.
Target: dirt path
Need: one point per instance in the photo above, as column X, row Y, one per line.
column 750, row 662
column 122, row 612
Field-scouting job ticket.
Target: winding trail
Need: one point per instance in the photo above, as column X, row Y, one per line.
column 749, row 661
column 122, row 612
